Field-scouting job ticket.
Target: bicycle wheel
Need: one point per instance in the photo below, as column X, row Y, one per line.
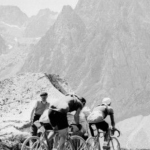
column 33, row 143
column 114, row 144
column 78, row 143
column 68, row 145
column 92, row 143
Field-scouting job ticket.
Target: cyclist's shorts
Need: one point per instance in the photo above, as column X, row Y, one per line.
column 101, row 125
column 47, row 126
column 58, row 119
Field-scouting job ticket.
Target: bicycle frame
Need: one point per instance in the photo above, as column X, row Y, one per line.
column 44, row 137
column 97, row 137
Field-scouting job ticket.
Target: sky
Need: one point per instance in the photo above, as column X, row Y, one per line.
column 31, row 7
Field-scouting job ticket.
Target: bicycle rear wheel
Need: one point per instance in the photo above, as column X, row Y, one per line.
column 33, row 143
column 78, row 143
column 114, row 144
column 92, row 143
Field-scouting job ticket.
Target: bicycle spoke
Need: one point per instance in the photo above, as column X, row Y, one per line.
column 114, row 144
column 35, row 145
column 68, row 146
column 78, row 143
column 81, row 147
column 92, row 144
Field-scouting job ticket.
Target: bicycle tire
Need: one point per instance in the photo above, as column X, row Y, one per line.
column 114, row 144
column 68, row 145
column 78, row 142
column 92, row 143
column 33, row 143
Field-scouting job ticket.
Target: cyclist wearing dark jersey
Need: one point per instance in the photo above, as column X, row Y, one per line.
column 101, row 112
column 58, row 115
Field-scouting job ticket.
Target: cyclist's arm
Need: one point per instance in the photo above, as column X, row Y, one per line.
column 32, row 113
column 112, row 120
column 76, row 116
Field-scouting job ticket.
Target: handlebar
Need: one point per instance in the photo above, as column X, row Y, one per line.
column 78, row 126
column 113, row 131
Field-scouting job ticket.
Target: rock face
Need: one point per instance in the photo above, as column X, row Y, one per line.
column 2, row 45
column 15, row 23
column 59, row 44
column 39, row 24
column 135, row 132
column 102, row 49
column 17, row 93
column 12, row 15
column 18, row 97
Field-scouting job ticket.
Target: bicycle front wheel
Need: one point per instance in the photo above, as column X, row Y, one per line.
column 33, row 143
column 78, row 143
column 92, row 143
column 114, row 144
column 68, row 145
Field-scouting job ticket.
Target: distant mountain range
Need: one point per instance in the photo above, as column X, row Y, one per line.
column 13, row 15
column 39, row 24
column 13, row 22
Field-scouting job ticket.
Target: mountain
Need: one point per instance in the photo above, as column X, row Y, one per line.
column 135, row 132
column 2, row 45
column 59, row 44
column 12, row 15
column 12, row 23
column 102, row 49
column 15, row 23
column 39, row 24
column 18, row 97
column 18, row 93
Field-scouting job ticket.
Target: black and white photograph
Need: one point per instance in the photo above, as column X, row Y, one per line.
column 74, row 74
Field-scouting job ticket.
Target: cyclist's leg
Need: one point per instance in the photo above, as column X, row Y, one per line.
column 48, row 126
column 104, row 127
column 63, row 136
column 91, row 129
column 49, row 135
column 33, row 127
column 62, row 124
column 53, row 117
column 60, row 121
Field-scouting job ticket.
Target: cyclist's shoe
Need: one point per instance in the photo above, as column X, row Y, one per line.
column 106, row 146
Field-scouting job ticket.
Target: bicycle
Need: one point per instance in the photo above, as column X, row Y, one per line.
column 93, row 143
column 73, row 142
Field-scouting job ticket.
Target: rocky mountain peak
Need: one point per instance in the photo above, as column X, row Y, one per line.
column 66, row 9
column 39, row 24
column 62, row 38
column 12, row 15
column 46, row 11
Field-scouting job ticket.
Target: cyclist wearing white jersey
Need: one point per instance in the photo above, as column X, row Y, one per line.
column 97, row 118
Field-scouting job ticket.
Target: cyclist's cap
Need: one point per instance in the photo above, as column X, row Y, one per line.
column 44, row 94
column 106, row 101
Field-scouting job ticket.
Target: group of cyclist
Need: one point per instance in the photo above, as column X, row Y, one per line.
column 57, row 115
